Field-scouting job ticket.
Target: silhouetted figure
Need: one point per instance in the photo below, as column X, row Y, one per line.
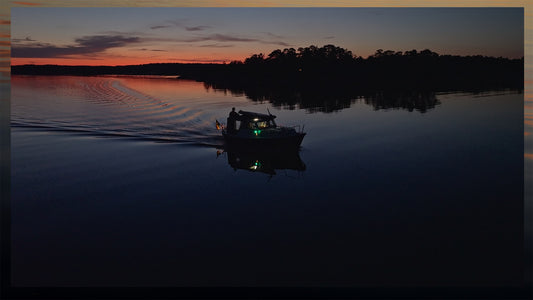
column 232, row 120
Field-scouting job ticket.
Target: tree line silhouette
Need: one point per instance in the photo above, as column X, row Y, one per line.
column 330, row 78
column 335, row 66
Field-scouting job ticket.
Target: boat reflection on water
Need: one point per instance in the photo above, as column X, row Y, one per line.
column 268, row 162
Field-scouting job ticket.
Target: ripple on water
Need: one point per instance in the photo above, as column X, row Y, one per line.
column 113, row 106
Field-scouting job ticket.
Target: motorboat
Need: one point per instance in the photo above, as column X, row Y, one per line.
column 251, row 129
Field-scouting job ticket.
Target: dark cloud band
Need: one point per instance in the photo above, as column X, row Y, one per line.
column 229, row 38
column 84, row 46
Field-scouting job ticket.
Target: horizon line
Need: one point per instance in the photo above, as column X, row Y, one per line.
column 200, row 62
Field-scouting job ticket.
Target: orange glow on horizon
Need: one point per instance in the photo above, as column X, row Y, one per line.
column 108, row 61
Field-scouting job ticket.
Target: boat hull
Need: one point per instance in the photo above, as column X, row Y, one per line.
column 281, row 143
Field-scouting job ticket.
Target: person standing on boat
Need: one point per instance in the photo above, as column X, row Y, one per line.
column 232, row 120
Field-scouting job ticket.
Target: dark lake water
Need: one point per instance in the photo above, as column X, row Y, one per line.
column 123, row 181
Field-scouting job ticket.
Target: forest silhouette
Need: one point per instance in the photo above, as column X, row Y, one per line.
column 334, row 66
column 330, row 78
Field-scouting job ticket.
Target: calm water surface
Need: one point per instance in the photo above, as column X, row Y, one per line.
column 123, row 181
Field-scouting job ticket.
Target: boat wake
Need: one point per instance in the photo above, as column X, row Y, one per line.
column 113, row 107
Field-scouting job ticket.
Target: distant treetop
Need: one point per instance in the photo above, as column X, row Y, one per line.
column 333, row 54
column 327, row 54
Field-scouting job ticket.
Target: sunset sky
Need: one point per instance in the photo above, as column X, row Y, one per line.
column 120, row 36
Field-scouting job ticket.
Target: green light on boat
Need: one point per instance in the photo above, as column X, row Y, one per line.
column 257, row 132
column 255, row 166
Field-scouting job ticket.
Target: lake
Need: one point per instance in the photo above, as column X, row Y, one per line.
column 124, row 181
